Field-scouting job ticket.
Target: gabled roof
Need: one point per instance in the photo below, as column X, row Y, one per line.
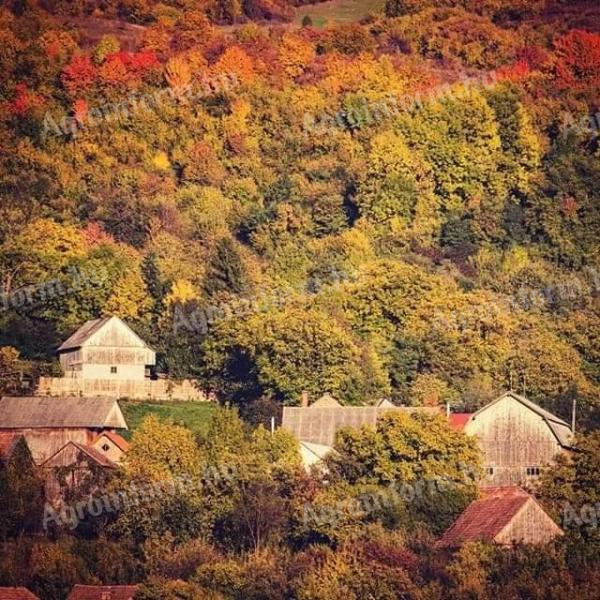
column 561, row 429
column 85, row 333
column 16, row 593
column 458, row 420
column 326, row 400
column 119, row 441
column 102, row 592
column 487, row 518
column 40, row 412
column 385, row 404
column 95, row 455
column 317, row 451
column 484, row 519
column 319, row 424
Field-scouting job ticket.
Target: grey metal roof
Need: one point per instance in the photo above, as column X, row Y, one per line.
column 88, row 329
column 319, row 424
column 48, row 412
column 83, row 333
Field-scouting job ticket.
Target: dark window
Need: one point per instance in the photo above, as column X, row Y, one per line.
column 489, row 471
column 106, row 447
column 113, row 369
column 533, row 471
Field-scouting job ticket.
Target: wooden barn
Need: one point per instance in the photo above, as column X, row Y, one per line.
column 504, row 516
column 73, row 467
column 49, row 423
column 318, row 423
column 106, row 348
column 517, row 437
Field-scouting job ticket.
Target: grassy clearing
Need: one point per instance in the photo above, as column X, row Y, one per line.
column 338, row 11
column 194, row 415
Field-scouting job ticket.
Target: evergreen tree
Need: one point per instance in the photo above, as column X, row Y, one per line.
column 21, row 493
column 226, row 271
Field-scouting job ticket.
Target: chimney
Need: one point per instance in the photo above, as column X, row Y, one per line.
column 304, row 399
column 447, row 410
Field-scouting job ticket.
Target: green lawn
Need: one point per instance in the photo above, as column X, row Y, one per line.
column 339, row 11
column 194, row 415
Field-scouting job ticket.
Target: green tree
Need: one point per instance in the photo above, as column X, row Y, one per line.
column 21, row 493
column 226, row 271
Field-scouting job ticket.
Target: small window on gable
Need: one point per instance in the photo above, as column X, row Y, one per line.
column 533, row 471
column 105, row 447
column 113, row 369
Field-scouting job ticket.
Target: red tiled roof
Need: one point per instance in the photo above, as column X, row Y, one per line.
column 459, row 420
column 120, row 442
column 102, row 592
column 484, row 519
column 16, row 593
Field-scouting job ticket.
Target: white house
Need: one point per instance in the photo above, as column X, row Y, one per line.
column 106, row 348
column 105, row 357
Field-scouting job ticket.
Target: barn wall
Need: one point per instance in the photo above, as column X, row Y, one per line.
column 70, row 361
column 512, row 438
column 113, row 453
column 77, row 475
column 43, row 443
column 112, row 355
column 530, row 526
column 124, row 371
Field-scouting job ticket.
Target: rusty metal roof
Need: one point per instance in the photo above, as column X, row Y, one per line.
column 484, row 519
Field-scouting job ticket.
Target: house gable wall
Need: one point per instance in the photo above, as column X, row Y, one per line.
column 512, row 438
column 530, row 526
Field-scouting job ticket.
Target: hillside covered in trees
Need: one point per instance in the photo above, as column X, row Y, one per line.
column 406, row 207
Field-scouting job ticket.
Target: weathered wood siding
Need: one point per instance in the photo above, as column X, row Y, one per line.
column 105, row 445
column 67, row 471
column 114, row 347
column 513, row 438
column 144, row 389
column 530, row 526
column 43, row 443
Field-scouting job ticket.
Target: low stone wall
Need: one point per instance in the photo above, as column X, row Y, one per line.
column 147, row 389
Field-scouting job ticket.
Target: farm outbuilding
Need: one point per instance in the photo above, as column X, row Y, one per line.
column 49, row 423
column 505, row 516
column 518, row 438
column 319, row 422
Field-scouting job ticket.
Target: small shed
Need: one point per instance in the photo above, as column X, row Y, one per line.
column 103, row 592
column 49, row 423
column 505, row 516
